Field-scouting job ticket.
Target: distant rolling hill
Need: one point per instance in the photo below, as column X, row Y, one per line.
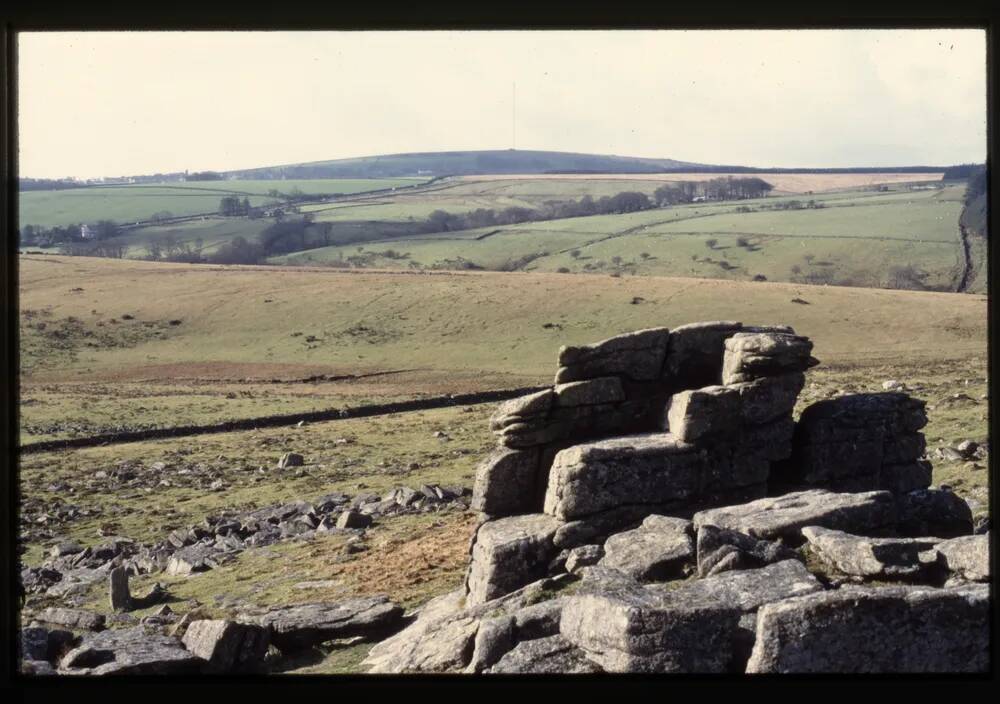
column 465, row 163
column 511, row 161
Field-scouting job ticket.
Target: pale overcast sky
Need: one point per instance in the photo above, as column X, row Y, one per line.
column 108, row 104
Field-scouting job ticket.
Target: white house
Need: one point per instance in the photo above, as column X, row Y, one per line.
column 87, row 233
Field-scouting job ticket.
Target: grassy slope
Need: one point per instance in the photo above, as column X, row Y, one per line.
column 897, row 228
column 469, row 325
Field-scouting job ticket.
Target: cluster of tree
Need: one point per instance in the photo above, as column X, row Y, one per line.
column 232, row 205
column 110, row 249
column 725, row 188
column 960, row 171
column 37, row 236
column 205, row 176
column 974, row 214
column 170, row 248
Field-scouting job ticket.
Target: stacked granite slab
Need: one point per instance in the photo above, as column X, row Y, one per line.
column 860, row 442
column 655, row 421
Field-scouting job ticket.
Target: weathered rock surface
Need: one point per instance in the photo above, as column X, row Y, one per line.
column 583, row 556
column 657, row 550
column 881, row 629
column 602, row 475
column 749, row 355
column 302, row 625
column 720, row 550
column 77, row 619
column 785, row 516
column 130, row 651
column 694, row 352
column 637, row 355
column 510, row 553
column 933, row 512
column 860, row 442
column 119, row 595
column 626, row 627
column 290, row 459
column 506, row 483
column 552, row 655
column 226, row 645
column 968, row 556
column 884, row 558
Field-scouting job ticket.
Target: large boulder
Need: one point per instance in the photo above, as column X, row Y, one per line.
column 129, row 651
column 871, row 558
column 659, row 549
column 860, row 442
column 598, row 476
column 875, row 629
column 695, row 627
column 226, row 645
column 703, row 413
column 751, row 355
column 509, row 553
column 933, row 512
column 506, row 483
column 968, row 556
column 636, row 355
column 784, row 516
column 302, row 625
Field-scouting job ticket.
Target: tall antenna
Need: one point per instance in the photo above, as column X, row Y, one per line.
column 513, row 118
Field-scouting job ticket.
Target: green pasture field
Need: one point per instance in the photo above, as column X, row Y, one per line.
column 137, row 202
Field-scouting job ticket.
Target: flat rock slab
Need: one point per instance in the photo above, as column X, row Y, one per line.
column 130, row 651
column 509, row 553
column 784, row 516
column 304, row 625
column 875, row 629
column 552, row 655
column 658, row 549
column 968, row 556
column 748, row 590
column 859, row 556
column 77, row 619
column 694, row 627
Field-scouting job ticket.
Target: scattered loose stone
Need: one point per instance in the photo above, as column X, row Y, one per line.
column 120, row 597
